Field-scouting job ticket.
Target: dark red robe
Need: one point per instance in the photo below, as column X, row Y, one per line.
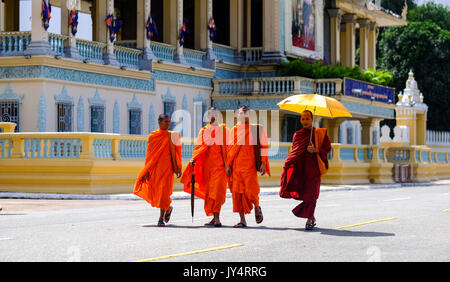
column 301, row 176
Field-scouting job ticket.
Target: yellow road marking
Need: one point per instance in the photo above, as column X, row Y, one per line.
column 191, row 253
column 367, row 222
column 447, row 210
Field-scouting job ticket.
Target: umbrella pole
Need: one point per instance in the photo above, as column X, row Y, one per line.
column 193, row 191
column 312, row 126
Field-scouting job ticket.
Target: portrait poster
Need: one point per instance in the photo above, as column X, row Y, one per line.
column 303, row 24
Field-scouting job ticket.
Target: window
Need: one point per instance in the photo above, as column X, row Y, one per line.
column 350, row 135
column 97, row 119
column 169, row 108
column 135, row 124
column 64, row 118
column 9, row 112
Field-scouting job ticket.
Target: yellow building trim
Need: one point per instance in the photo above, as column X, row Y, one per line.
column 183, row 69
column 88, row 174
column 381, row 18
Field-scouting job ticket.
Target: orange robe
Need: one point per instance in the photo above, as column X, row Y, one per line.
column 159, row 164
column 241, row 157
column 210, row 178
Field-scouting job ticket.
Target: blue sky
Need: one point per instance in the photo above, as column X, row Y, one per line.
column 444, row 2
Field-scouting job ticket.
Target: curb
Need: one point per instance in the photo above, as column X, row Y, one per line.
column 182, row 195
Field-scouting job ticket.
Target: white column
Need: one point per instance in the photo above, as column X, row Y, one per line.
column 2, row 16
column 179, row 57
column 142, row 42
column 70, row 45
column 39, row 36
column 248, row 38
column 271, row 32
column 349, row 21
column 372, row 52
column 363, row 43
column 109, row 57
column 335, row 37
column 236, row 24
column 210, row 56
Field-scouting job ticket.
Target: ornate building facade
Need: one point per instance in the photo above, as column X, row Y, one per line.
column 121, row 80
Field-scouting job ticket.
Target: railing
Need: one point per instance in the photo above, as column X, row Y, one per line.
column 251, row 56
column 438, row 137
column 5, row 148
column 163, row 51
column 56, row 42
column 264, row 86
column 328, row 87
column 236, row 86
column 14, row 43
column 225, row 53
column 51, row 148
column 358, row 153
column 95, row 146
column 276, row 85
column 419, row 163
column 127, row 57
column 91, row 50
column 133, row 148
column 194, row 57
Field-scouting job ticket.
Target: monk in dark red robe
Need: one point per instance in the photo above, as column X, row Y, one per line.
column 303, row 168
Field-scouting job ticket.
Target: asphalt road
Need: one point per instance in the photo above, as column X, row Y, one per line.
column 401, row 224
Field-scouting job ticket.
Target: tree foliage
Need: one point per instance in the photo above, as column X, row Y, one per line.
column 318, row 69
column 431, row 11
column 422, row 46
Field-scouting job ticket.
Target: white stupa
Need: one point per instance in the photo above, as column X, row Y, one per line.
column 411, row 113
column 411, row 95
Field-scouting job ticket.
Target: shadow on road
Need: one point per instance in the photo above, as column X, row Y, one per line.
column 323, row 231
column 347, row 233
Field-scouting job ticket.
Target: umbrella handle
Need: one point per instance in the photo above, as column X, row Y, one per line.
column 312, row 125
column 193, row 190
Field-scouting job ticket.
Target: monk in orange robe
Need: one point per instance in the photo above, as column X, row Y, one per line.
column 246, row 156
column 155, row 182
column 208, row 163
column 303, row 168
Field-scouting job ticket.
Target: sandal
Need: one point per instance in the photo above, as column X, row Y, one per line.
column 310, row 226
column 218, row 224
column 167, row 215
column 240, row 225
column 161, row 223
column 211, row 223
column 259, row 216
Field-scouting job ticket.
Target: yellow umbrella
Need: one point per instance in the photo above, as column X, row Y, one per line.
column 319, row 105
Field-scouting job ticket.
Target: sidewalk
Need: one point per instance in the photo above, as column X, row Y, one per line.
column 182, row 195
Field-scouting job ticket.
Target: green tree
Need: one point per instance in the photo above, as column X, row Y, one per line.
column 431, row 11
column 424, row 47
